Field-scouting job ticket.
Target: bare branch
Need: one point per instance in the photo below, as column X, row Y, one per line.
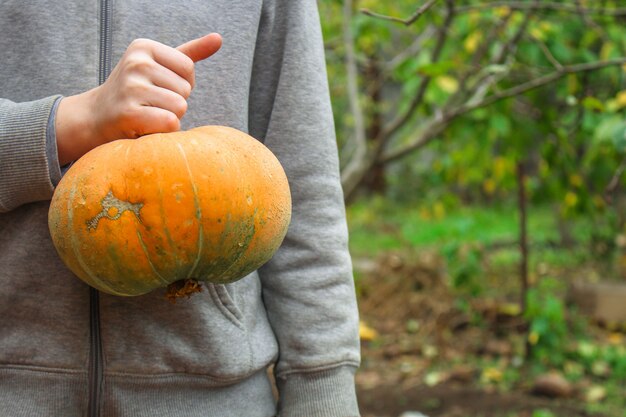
column 441, row 122
column 505, row 54
column 614, row 183
column 486, row 78
column 415, row 47
column 442, row 36
column 487, row 81
column 546, row 5
column 430, row 131
column 408, row 21
column 480, row 53
column 586, row 17
column 539, row 82
column 547, row 53
column 353, row 92
column 511, row 46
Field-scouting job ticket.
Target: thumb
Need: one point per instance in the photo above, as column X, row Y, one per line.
column 201, row 48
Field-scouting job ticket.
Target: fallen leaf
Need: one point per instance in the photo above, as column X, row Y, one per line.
column 366, row 333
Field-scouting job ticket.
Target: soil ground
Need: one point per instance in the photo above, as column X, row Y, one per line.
column 455, row 400
column 418, row 359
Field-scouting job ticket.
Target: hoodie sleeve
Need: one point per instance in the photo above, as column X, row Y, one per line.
column 308, row 287
column 29, row 166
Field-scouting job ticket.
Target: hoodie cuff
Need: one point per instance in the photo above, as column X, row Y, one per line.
column 52, row 152
column 328, row 393
column 24, row 172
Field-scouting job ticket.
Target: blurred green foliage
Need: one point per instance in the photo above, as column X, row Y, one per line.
column 546, row 316
column 570, row 135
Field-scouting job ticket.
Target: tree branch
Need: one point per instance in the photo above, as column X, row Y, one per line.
column 440, row 122
column 538, row 82
column 353, row 94
column 442, row 35
column 546, row 5
column 511, row 46
column 352, row 83
column 614, row 183
column 547, row 53
column 413, row 49
column 481, row 52
column 408, row 21
column 485, row 78
column 505, row 54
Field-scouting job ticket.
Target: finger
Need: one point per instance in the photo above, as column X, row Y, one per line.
column 150, row 119
column 175, row 61
column 202, row 48
column 167, row 100
column 168, row 79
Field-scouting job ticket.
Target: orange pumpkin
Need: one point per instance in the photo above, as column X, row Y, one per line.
column 208, row 204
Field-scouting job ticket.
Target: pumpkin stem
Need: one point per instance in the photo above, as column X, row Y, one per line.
column 182, row 288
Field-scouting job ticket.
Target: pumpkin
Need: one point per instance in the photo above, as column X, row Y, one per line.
column 170, row 210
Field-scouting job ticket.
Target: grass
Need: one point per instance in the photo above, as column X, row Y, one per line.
column 377, row 226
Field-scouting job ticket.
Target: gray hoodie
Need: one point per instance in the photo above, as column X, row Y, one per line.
column 67, row 350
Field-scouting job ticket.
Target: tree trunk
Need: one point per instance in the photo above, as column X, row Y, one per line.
column 522, row 202
column 375, row 182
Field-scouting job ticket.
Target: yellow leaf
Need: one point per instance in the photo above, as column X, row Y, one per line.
column 474, row 16
column 471, row 42
column 448, row 84
column 367, row 333
column 430, row 351
column 572, row 84
column 502, row 11
column 491, row 375
column 546, row 26
column 533, row 338
column 489, row 185
column 595, row 393
column 576, row 180
column 544, row 168
column 616, row 339
column 510, row 309
column 500, row 165
column 439, row 210
column 538, row 33
column 599, row 202
column 606, row 50
column 571, row 199
column 433, row 378
column 620, row 99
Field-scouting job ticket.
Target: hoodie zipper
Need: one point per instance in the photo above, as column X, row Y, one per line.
column 105, row 40
column 95, row 337
column 95, row 354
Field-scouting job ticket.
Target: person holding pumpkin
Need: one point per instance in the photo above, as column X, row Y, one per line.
column 66, row 349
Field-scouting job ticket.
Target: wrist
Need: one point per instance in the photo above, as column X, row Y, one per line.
column 75, row 127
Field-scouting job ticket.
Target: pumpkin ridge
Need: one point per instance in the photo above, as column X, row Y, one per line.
column 242, row 247
column 166, row 229
column 145, row 250
column 196, row 200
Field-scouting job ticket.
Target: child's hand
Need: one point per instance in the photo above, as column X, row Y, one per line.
column 146, row 92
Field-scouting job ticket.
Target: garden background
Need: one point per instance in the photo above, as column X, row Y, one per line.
column 483, row 149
